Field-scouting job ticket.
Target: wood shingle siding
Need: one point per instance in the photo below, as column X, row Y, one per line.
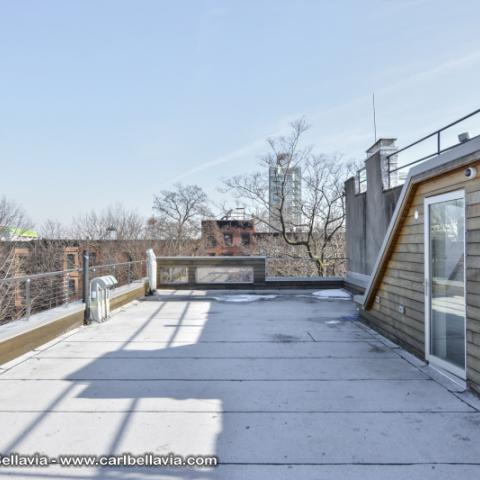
column 401, row 278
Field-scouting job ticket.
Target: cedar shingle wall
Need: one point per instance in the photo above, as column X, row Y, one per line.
column 403, row 278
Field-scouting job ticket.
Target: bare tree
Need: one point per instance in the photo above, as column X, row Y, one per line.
column 114, row 223
column 13, row 221
column 316, row 224
column 12, row 216
column 113, row 235
column 53, row 230
column 178, row 213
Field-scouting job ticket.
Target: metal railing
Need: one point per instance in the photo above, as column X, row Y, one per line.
column 25, row 295
column 440, row 142
column 125, row 272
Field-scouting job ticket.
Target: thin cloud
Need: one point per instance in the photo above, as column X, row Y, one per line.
column 253, row 147
column 248, row 149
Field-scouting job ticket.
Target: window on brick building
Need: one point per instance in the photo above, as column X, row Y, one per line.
column 245, row 238
column 70, row 261
column 211, row 241
column 92, row 258
column 227, row 239
column 72, row 287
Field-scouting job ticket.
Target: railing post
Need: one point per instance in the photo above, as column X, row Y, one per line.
column 438, row 143
column 86, row 286
column 389, row 180
column 129, row 273
column 28, row 299
column 85, row 265
column 66, row 286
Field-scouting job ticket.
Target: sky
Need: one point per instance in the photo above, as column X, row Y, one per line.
column 105, row 101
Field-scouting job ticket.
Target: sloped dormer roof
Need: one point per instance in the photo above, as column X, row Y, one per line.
column 458, row 156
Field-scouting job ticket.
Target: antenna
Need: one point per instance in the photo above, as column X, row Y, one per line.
column 374, row 117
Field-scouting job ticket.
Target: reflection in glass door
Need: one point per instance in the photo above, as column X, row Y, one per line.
column 445, row 281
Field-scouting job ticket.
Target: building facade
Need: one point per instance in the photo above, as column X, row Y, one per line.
column 228, row 237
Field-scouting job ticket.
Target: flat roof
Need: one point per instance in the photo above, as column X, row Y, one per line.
column 275, row 386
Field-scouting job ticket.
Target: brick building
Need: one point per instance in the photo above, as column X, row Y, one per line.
column 228, row 237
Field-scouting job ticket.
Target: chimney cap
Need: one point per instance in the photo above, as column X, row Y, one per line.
column 387, row 143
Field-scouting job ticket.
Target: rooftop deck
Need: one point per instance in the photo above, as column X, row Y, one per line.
column 286, row 386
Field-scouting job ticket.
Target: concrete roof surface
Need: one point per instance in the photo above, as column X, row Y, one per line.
column 284, row 386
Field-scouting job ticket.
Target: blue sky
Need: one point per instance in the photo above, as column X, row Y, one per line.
column 105, row 101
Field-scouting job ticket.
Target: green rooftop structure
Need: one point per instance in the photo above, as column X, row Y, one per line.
column 17, row 233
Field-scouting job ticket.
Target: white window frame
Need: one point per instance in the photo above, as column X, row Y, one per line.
column 432, row 359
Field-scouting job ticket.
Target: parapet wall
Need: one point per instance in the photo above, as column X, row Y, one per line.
column 20, row 337
column 368, row 215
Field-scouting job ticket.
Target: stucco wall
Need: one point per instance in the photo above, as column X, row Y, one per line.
column 367, row 217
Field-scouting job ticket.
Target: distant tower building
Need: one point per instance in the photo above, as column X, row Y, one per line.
column 285, row 182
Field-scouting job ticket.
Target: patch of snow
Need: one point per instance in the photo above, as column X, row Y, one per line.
column 332, row 322
column 243, row 298
column 335, row 293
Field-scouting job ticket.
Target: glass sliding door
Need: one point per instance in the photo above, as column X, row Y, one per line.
column 445, row 281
